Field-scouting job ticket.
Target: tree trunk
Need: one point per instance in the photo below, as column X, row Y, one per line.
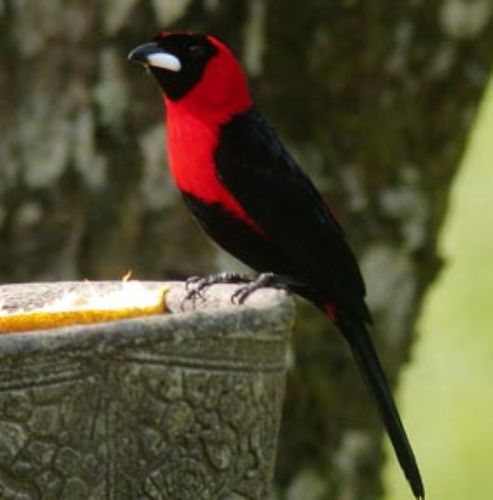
column 374, row 98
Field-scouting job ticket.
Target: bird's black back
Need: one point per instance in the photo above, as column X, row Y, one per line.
column 256, row 168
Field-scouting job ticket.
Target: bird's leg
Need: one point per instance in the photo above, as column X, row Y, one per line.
column 195, row 285
column 269, row 280
column 225, row 277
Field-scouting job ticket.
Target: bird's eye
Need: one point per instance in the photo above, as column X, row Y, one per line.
column 196, row 51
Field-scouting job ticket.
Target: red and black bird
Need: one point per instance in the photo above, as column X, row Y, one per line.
column 251, row 197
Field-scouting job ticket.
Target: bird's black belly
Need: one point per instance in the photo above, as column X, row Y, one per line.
column 237, row 237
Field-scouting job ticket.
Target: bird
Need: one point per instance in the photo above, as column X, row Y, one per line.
column 253, row 199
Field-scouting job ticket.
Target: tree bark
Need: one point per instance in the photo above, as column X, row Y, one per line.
column 374, row 98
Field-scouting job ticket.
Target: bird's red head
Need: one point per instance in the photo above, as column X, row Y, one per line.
column 197, row 72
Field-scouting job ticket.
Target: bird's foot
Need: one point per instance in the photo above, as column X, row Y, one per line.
column 269, row 280
column 196, row 285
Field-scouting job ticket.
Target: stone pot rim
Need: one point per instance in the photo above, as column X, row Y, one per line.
column 269, row 310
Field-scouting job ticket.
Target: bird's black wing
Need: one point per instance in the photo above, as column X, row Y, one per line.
column 256, row 168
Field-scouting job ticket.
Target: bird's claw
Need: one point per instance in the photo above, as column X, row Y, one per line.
column 196, row 285
column 239, row 297
column 269, row 280
column 193, row 280
column 192, row 296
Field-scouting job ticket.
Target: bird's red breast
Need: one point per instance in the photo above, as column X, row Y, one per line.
column 193, row 129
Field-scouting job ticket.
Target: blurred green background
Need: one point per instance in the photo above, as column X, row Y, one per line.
column 447, row 392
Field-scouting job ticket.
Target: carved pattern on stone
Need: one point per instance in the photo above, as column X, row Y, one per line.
column 152, row 419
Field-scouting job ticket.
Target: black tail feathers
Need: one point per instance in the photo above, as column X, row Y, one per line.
column 369, row 365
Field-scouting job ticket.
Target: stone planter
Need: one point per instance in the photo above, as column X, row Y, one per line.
column 184, row 405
